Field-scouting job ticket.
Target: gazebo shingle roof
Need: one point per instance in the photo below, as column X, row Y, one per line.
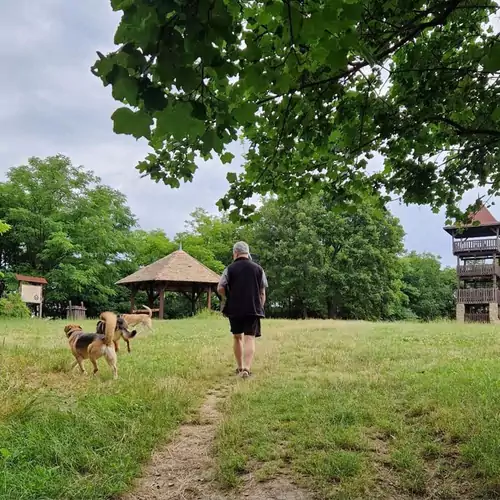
column 178, row 267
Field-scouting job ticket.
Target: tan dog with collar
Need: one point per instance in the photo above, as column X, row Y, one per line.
column 139, row 319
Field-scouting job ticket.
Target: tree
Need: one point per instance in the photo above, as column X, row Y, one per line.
column 147, row 247
column 429, row 288
column 316, row 87
column 217, row 233
column 324, row 263
column 66, row 226
column 291, row 253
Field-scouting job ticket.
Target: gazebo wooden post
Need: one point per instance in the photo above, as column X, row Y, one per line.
column 161, row 292
column 133, row 291
column 193, row 301
column 151, row 296
column 209, row 298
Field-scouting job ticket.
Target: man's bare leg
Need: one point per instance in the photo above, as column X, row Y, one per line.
column 249, row 352
column 238, row 349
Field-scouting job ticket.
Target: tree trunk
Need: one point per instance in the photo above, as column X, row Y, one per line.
column 304, row 312
column 332, row 309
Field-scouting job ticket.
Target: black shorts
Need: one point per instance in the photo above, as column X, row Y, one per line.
column 248, row 325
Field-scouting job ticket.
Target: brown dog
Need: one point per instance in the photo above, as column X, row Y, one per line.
column 95, row 345
column 139, row 319
column 121, row 331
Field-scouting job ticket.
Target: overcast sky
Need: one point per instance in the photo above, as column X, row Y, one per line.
column 50, row 103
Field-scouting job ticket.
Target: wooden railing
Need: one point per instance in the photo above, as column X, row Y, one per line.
column 477, row 269
column 477, row 295
column 484, row 245
column 477, row 318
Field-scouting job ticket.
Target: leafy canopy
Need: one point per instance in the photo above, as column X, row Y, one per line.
column 65, row 226
column 316, row 87
column 351, row 269
column 429, row 288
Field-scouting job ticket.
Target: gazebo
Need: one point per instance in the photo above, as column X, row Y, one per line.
column 177, row 272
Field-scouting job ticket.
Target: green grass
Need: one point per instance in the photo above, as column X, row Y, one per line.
column 357, row 410
column 350, row 410
column 70, row 436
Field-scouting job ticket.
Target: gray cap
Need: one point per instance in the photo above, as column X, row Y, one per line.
column 241, row 248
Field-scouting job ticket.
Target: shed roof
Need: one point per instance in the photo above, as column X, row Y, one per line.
column 31, row 279
column 177, row 267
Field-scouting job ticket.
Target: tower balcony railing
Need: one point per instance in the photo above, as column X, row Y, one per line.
column 471, row 270
column 478, row 295
column 476, row 246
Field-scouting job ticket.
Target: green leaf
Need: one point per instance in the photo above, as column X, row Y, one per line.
column 126, row 121
column 5, row 453
column 337, row 59
column 154, row 99
column 223, row 204
column 231, row 177
column 491, row 61
column 227, row 158
column 188, row 79
column 103, row 67
column 121, row 4
column 126, row 88
column 248, row 209
column 245, row 112
column 252, row 51
column 176, row 120
column 496, row 114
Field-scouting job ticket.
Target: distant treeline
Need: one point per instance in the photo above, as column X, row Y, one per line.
column 81, row 236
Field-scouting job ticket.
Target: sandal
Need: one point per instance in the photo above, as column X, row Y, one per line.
column 245, row 373
column 238, row 371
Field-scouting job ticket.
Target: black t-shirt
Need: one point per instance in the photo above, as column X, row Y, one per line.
column 243, row 281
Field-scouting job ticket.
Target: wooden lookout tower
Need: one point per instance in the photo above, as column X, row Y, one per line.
column 177, row 272
column 477, row 248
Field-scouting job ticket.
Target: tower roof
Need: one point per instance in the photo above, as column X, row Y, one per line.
column 177, row 267
column 481, row 224
column 483, row 216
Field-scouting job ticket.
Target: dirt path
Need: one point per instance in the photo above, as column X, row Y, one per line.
column 184, row 469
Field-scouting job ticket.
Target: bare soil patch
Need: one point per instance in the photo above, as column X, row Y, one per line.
column 184, row 469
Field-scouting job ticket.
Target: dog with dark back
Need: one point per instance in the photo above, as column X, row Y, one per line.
column 101, row 343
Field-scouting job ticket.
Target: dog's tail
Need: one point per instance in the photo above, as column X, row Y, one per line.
column 150, row 312
column 108, row 324
column 130, row 335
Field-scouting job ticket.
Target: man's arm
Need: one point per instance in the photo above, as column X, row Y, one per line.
column 221, row 287
column 221, row 291
column 263, row 286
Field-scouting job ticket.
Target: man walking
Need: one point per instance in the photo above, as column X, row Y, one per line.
column 243, row 286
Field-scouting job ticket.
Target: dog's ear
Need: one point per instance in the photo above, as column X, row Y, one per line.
column 68, row 328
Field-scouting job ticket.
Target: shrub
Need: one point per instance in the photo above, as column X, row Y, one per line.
column 12, row 306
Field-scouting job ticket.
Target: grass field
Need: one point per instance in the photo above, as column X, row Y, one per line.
column 351, row 410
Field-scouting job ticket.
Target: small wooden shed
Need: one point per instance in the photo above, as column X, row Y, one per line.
column 177, row 272
column 31, row 290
